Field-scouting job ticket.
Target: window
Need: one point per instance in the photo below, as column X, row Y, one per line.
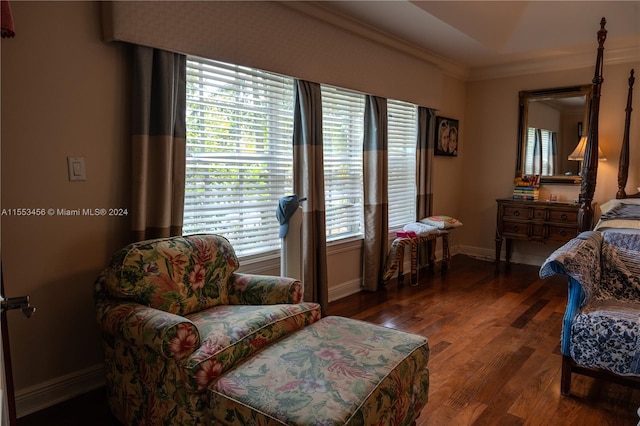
column 239, row 154
column 540, row 155
column 402, row 131
column 343, row 132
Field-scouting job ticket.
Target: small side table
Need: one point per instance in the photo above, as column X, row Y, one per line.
column 395, row 258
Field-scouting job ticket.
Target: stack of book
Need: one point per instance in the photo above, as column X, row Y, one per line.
column 531, row 193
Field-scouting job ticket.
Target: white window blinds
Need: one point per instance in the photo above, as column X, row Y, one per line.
column 239, row 153
column 402, row 131
column 343, row 124
column 239, row 156
column 539, row 153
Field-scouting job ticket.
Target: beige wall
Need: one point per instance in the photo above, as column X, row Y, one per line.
column 65, row 93
column 491, row 130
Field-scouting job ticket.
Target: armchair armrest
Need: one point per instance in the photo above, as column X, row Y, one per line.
column 169, row 335
column 579, row 259
column 250, row 289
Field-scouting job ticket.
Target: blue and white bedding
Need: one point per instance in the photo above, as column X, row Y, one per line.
column 601, row 327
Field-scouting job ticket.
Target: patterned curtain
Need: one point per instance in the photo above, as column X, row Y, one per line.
column 424, row 167
column 158, row 135
column 376, row 198
column 308, row 181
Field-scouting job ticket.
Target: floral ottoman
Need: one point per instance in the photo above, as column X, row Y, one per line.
column 337, row 371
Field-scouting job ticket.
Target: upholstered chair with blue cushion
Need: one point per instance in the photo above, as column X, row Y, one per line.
column 601, row 325
column 175, row 315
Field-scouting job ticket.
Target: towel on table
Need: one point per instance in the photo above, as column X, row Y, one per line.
column 441, row 222
column 419, row 228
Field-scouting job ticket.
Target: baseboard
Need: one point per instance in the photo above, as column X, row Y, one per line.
column 344, row 289
column 490, row 255
column 47, row 394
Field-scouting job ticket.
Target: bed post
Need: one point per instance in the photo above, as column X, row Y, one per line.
column 623, row 167
column 590, row 163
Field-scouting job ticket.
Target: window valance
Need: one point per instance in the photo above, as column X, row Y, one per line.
column 273, row 37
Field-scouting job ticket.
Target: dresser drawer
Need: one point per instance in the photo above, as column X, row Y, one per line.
column 540, row 214
column 562, row 233
column 563, row 216
column 535, row 222
column 512, row 228
column 517, row 212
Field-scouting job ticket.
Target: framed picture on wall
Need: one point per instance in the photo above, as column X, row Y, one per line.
column 447, row 136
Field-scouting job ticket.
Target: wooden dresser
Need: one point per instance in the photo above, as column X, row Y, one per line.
column 534, row 221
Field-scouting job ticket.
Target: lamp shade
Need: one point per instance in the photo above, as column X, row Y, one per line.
column 578, row 153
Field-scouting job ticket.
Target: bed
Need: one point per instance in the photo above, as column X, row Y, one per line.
column 621, row 214
column 601, row 326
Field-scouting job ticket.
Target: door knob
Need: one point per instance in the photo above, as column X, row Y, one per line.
column 21, row 303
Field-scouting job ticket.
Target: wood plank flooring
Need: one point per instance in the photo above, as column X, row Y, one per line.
column 494, row 335
column 495, row 358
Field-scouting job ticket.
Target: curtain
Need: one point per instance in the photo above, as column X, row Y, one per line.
column 376, row 198
column 308, row 181
column 424, row 167
column 554, row 160
column 158, row 142
column 424, row 162
column 537, row 153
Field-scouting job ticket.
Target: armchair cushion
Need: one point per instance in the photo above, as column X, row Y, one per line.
column 233, row 333
column 179, row 275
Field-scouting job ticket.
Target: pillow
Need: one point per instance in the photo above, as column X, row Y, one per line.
column 442, row 222
column 615, row 203
column 621, row 223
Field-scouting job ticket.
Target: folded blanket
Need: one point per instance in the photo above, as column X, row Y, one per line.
column 442, row 222
column 420, row 228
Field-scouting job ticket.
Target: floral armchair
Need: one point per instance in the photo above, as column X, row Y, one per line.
column 601, row 326
column 175, row 315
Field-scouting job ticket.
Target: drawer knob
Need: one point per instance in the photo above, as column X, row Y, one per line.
column 563, row 216
column 515, row 228
column 516, row 213
column 563, row 233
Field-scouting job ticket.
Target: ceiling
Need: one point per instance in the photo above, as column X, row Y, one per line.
column 497, row 38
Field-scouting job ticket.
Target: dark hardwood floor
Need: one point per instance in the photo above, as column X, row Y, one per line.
column 495, row 357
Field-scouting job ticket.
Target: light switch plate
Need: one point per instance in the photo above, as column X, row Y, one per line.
column 76, row 168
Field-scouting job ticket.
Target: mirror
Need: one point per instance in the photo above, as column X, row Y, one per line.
column 551, row 123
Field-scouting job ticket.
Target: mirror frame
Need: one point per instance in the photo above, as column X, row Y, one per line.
column 560, row 92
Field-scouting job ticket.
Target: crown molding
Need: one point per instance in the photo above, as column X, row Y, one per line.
column 526, row 64
column 560, row 62
column 315, row 10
